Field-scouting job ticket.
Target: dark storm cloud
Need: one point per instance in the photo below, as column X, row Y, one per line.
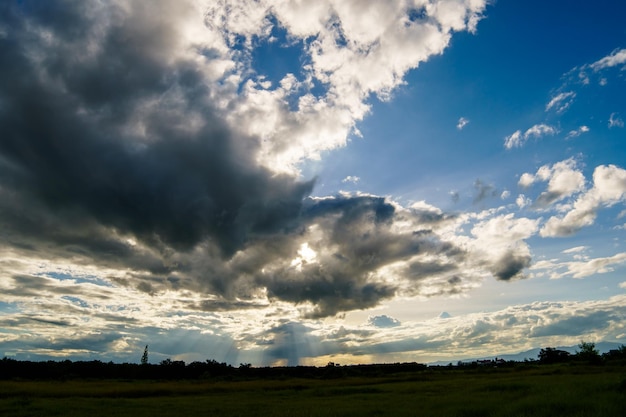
column 362, row 234
column 67, row 148
column 114, row 155
column 510, row 266
column 97, row 144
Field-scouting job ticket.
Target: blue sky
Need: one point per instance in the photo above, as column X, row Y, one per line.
column 281, row 182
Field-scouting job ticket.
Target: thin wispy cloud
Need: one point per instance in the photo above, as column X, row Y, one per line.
column 577, row 132
column 616, row 58
column 615, row 120
column 561, row 102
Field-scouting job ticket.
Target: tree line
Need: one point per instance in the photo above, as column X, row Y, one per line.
column 173, row 369
column 587, row 352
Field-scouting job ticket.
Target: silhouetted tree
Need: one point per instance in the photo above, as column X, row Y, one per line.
column 588, row 352
column 615, row 354
column 552, row 355
column 144, row 357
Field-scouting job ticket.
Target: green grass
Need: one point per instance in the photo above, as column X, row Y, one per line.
column 573, row 391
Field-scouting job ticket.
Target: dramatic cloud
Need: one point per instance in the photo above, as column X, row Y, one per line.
column 155, row 188
column 500, row 244
column 157, row 159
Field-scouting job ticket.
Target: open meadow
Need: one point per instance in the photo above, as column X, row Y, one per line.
column 555, row 390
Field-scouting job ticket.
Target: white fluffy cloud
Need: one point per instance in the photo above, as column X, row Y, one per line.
column 353, row 49
column 564, row 179
column 462, row 123
column 522, row 201
column 500, row 244
column 517, row 139
column 609, row 188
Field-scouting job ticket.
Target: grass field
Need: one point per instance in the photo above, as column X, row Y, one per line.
column 561, row 390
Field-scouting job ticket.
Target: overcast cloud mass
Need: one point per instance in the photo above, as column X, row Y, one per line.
column 155, row 188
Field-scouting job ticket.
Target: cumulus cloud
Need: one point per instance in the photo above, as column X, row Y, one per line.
column 609, row 188
column 564, row 179
column 526, row 180
column 517, row 139
column 539, row 130
column 522, row 201
column 352, row 50
column 158, row 160
column 501, row 245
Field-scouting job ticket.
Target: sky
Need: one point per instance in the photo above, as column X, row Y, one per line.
column 282, row 182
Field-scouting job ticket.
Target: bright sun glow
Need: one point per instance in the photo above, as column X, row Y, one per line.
column 306, row 255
